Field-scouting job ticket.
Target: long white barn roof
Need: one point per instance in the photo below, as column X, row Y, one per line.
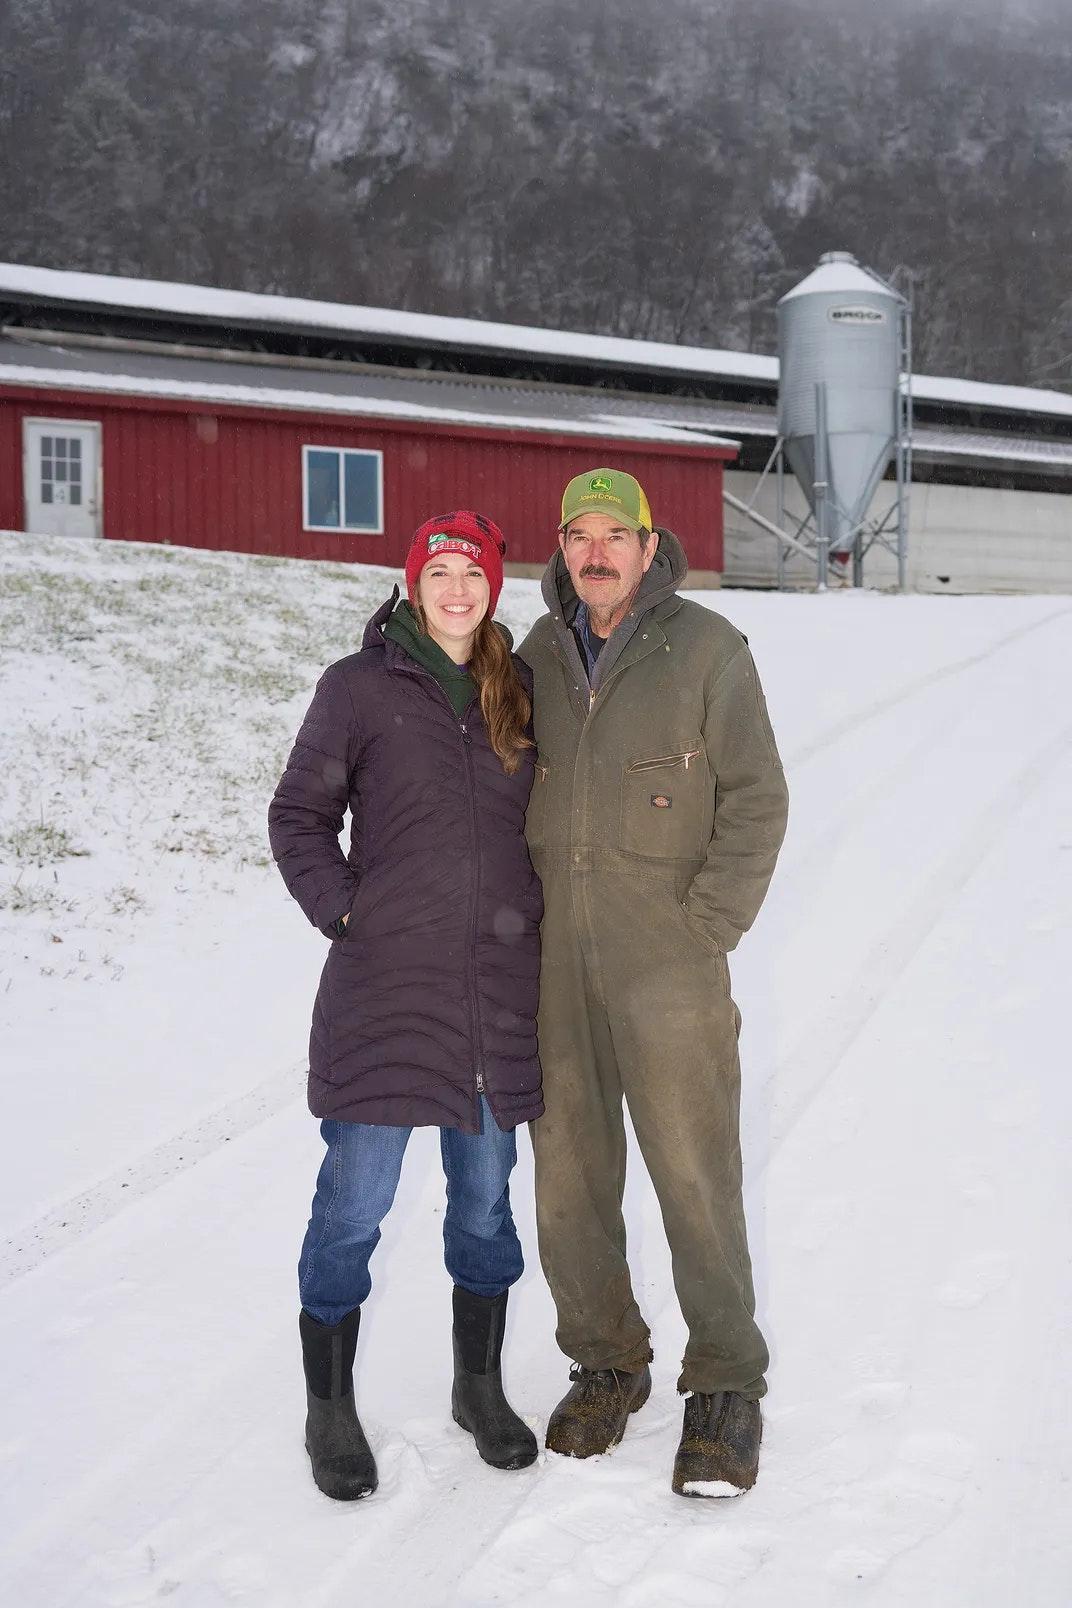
column 240, row 307
column 462, row 399
column 179, row 379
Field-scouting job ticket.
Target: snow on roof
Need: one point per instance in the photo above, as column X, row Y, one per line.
column 978, row 394
column 239, row 308
column 841, row 277
column 603, row 425
column 928, row 441
column 455, row 398
column 931, row 443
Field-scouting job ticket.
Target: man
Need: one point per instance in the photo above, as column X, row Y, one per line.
column 655, row 821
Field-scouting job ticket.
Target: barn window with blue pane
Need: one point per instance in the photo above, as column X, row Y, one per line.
column 343, row 489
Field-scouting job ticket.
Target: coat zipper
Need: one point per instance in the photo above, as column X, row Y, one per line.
column 617, row 669
column 474, row 905
column 474, row 902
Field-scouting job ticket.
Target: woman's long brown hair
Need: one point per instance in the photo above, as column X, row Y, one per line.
column 504, row 703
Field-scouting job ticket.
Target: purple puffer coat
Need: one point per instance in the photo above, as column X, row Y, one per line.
column 430, row 997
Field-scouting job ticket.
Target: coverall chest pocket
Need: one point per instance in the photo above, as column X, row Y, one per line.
column 664, row 805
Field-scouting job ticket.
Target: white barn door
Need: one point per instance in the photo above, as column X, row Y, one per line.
column 61, row 477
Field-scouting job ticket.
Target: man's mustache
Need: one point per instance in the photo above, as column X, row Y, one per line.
column 600, row 572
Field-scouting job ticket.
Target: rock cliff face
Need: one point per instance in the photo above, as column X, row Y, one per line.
column 657, row 168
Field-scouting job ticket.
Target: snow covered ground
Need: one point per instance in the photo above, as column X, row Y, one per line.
column 907, row 1103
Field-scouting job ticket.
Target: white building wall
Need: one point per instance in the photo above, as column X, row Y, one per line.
column 961, row 539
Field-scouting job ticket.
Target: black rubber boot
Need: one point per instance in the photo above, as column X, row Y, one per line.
column 719, row 1450
column 343, row 1464
column 477, row 1401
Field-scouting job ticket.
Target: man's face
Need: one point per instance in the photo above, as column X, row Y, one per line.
column 606, row 561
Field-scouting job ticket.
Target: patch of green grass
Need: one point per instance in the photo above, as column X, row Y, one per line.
column 123, row 900
column 188, row 672
column 34, row 898
column 206, row 841
column 40, row 843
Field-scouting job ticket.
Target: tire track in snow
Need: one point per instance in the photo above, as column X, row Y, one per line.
column 72, row 1219
column 850, row 722
column 895, row 950
column 801, row 857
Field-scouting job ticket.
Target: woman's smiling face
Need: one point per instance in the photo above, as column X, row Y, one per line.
column 453, row 591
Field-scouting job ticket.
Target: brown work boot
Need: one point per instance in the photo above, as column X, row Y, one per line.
column 592, row 1415
column 719, row 1450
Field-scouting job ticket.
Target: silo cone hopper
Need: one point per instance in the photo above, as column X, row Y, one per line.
column 854, row 469
column 842, row 401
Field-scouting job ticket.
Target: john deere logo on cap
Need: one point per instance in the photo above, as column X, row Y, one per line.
column 606, row 491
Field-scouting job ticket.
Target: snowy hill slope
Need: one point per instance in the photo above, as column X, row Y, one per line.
column 906, row 1105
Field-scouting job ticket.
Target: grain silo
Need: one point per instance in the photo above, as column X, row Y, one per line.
column 843, row 404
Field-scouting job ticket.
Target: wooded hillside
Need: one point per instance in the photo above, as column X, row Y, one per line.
column 655, row 168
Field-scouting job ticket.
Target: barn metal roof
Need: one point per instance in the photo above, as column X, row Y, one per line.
column 247, row 310
column 368, row 391
column 446, row 399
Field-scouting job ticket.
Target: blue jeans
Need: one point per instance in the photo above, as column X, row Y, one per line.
column 354, row 1192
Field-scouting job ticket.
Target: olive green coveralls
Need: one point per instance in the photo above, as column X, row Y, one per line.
column 655, row 821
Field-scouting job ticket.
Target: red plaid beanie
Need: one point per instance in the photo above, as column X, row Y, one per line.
column 461, row 532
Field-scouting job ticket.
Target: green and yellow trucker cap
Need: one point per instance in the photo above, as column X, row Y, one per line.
column 606, row 491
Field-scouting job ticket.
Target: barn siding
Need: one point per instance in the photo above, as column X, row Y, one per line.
column 960, row 539
column 231, row 479
column 11, row 418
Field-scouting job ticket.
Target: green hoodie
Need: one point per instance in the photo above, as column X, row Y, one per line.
column 457, row 683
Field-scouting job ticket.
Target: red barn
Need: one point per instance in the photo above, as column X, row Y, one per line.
column 109, row 429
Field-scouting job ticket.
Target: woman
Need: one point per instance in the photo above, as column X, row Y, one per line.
column 426, row 1011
